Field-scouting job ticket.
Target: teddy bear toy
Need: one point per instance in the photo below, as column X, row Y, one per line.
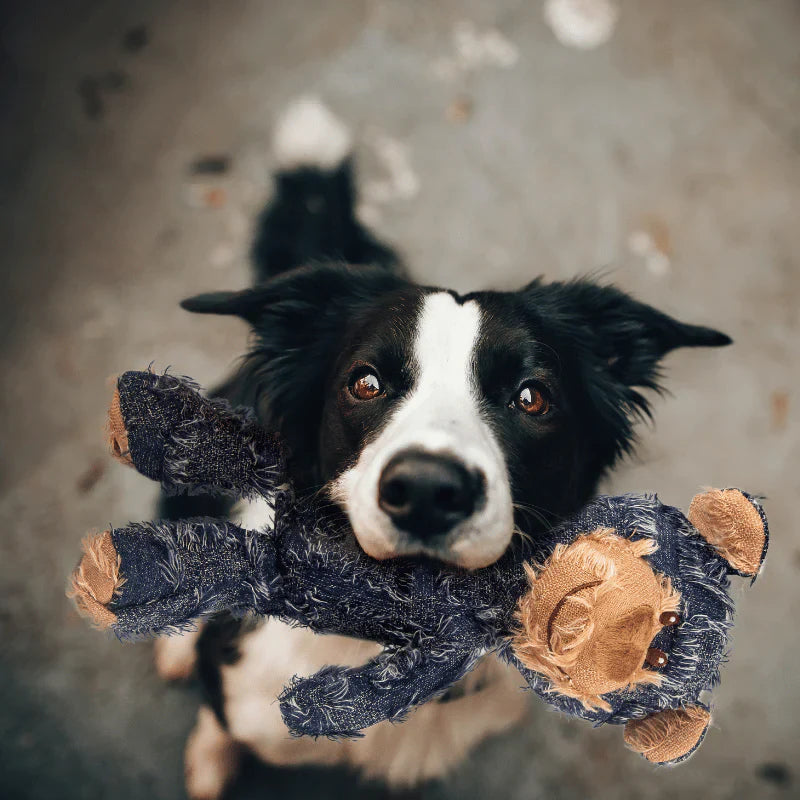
column 620, row 614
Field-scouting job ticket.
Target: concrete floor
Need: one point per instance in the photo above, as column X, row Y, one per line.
column 670, row 157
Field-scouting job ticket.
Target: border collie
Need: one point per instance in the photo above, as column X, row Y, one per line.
column 434, row 423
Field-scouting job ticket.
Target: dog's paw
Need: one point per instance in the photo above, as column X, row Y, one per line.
column 212, row 758
column 176, row 656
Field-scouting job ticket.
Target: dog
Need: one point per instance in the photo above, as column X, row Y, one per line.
column 433, row 423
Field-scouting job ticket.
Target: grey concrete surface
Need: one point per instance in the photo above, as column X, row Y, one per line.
column 684, row 128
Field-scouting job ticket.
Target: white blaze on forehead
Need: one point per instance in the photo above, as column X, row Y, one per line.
column 440, row 415
column 445, row 349
column 441, row 412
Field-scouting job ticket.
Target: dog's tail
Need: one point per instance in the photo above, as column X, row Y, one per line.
column 312, row 216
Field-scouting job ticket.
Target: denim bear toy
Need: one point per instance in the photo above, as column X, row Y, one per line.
column 619, row 614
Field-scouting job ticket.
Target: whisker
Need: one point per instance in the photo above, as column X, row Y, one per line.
column 531, row 513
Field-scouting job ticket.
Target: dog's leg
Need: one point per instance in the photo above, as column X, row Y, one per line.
column 266, row 660
column 212, row 758
column 434, row 739
column 437, row 737
column 176, row 656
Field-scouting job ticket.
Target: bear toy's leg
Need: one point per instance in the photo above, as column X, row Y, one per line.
column 670, row 736
column 734, row 525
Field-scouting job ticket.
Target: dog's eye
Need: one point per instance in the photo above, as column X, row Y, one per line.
column 532, row 399
column 365, row 386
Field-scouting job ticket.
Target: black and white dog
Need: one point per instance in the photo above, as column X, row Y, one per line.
column 433, row 422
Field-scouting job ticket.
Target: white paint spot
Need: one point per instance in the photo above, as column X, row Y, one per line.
column 476, row 49
column 583, row 24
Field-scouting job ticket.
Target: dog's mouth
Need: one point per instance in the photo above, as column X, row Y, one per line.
column 457, row 549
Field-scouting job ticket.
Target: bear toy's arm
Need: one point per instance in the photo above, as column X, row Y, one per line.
column 339, row 702
column 168, row 431
column 152, row 577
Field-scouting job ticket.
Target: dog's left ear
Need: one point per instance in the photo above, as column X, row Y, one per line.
column 299, row 319
column 627, row 338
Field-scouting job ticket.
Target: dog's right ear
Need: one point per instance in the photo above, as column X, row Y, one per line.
column 320, row 289
column 246, row 304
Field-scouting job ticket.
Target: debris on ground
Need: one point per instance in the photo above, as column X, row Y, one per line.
column 475, row 49
column 210, row 165
column 779, row 405
column 400, row 181
column 135, row 39
column 653, row 244
column 89, row 478
column 460, row 110
column 203, row 195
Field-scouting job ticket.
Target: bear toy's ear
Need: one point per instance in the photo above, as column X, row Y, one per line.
column 735, row 525
column 670, row 736
column 96, row 580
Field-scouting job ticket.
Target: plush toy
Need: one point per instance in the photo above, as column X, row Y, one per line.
column 620, row 614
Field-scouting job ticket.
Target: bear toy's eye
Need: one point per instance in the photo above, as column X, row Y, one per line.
column 365, row 385
column 532, row 398
column 670, row 619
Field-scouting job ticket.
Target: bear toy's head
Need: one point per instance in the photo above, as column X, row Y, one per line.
column 590, row 615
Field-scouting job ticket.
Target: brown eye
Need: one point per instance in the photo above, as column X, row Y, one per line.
column 366, row 386
column 532, row 400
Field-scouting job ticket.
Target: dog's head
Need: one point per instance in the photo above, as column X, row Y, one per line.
column 436, row 420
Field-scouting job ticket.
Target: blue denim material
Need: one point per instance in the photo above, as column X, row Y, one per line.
column 435, row 622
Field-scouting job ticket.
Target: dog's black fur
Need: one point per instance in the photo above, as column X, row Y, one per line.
column 590, row 348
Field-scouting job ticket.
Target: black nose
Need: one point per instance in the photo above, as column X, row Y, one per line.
column 427, row 495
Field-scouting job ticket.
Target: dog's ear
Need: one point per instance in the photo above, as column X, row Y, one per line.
column 317, row 288
column 246, row 304
column 627, row 337
column 300, row 319
column 616, row 344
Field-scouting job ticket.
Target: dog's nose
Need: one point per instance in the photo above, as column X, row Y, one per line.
column 427, row 495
